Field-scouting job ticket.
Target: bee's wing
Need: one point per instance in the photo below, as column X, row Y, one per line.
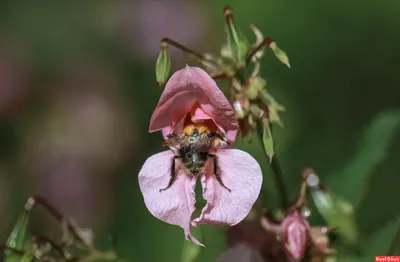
column 174, row 141
column 203, row 144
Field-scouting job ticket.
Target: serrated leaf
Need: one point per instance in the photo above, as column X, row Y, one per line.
column 18, row 237
column 374, row 144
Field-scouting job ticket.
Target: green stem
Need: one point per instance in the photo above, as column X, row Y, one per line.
column 14, row 250
column 38, row 200
column 275, row 167
column 189, row 51
column 277, row 171
column 266, row 41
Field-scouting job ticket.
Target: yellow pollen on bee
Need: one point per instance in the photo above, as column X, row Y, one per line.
column 188, row 130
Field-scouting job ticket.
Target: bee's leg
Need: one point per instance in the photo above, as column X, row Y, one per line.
column 171, row 139
column 217, row 135
column 216, row 171
column 173, row 174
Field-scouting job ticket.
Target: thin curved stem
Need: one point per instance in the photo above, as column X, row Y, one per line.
column 38, row 200
column 189, row 51
column 266, row 41
column 277, row 171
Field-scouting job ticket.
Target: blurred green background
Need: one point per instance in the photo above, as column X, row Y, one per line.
column 77, row 89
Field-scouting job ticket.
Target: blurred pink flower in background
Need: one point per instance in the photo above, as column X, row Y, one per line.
column 191, row 96
column 5, row 202
column 146, row 22
column 82, row 136
column 241, row 253
column 250, row 233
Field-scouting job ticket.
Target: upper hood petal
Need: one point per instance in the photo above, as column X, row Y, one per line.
column 184, row 89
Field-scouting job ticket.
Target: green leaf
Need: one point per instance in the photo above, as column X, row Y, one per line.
column 338, row 213
column 190, row 251
column 18, row 237
column 378, row 243
column 335, row 210
column 163, row 65
column 28, row 257
column 374, row 144
column 268, row 140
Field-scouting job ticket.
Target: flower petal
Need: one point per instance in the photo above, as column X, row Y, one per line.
column 241, row 173
column 199, row 114
column 186, row 87
column 174, row 205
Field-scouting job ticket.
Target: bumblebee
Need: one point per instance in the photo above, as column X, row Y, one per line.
column 193, row 147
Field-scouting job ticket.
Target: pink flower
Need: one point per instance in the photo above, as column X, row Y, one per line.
column 192, row 97
column 293, row 231
column 296, row 229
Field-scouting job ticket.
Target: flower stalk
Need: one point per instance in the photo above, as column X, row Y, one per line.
column 266, row 41
column 276, row 171
column 199, row 57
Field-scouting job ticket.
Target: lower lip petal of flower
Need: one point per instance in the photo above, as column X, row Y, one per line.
column 239, row 172
column 174, row 205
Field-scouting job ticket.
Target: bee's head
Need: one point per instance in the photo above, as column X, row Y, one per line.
column 195, row 132
column 194, row 135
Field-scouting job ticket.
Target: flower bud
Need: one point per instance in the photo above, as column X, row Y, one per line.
column 18, row 238
column 279, row 53
column 297, row 229
column 256, row 84
column 320, row 239
column 273, row 107
column 241, row 107
column 268, row 140
column 237, row 43
column 256, row 111
column 163, row 65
